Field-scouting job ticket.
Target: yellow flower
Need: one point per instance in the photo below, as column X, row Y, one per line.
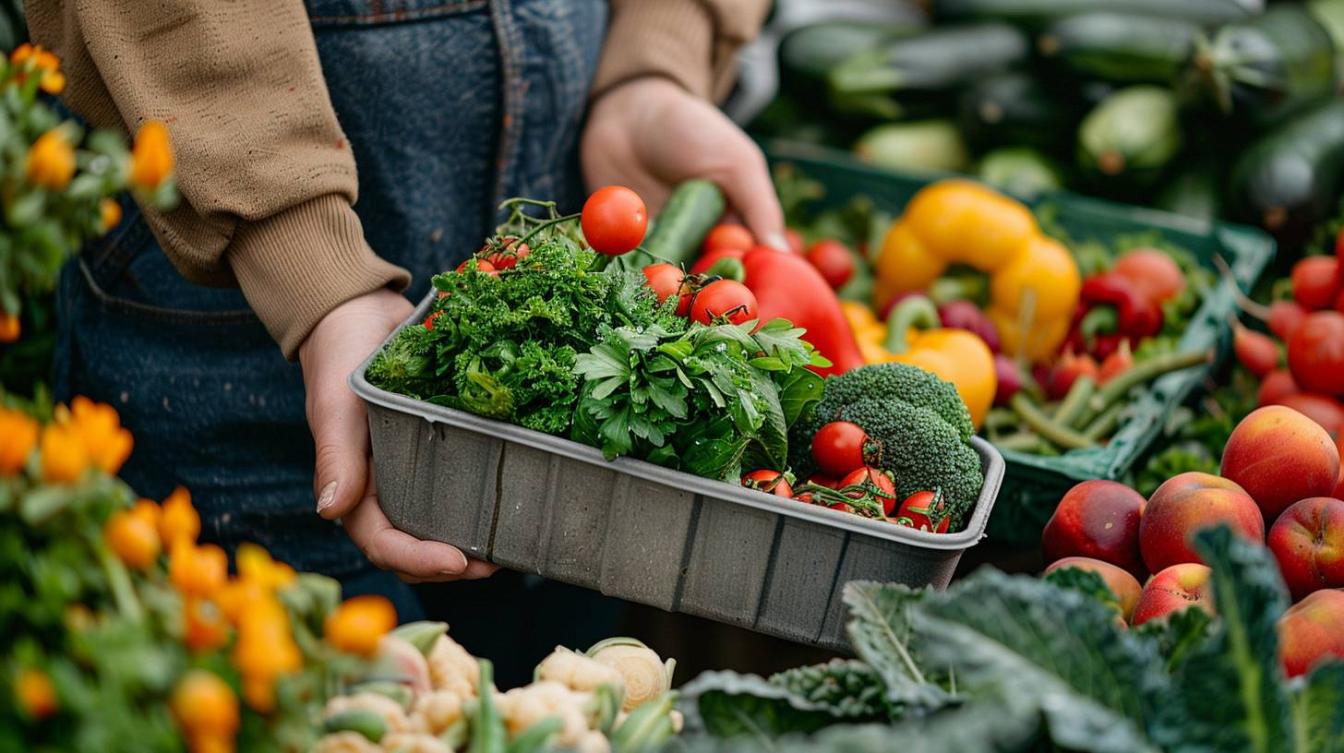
column 53, row 82
column 205, row 706
column 107, row 443
column 51, row 161
column 9, row 327
column 255, row 564
column 151, row 156
column 109, row 213
column 35, row 693
column 63, row 455
column 357, row 625
column 21, row 53
column 18, row 435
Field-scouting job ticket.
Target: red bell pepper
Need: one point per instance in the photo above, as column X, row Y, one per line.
column 1112, row 310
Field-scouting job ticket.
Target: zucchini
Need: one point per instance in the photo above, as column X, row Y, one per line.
column 923, row 146
column 808, row 54
column 1266, row 68
column 1120, row 47
column 1020, row 171
column 937, row 60
column 1037, row 13
column 1130, row 136
column 1014, row 108
column 686, row 219
column 1289, row 179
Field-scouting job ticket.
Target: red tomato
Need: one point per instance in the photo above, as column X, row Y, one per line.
column 710, row 258
column 429, row 320
column 840, row 447
column 665, row 280
column 482, row 266
column 1277, row 385
column 795, row 241
column 614, row 220
column 1257, row 352
column 1115, row 364
column 819, row 480
column 506, row 256
column 874, row 481
column 1284, row 316
column 841, row 506
column 804, row 497
column 1316, row 353
column 726, row 299
column 770, row 482
column 1316, row 281
column 833, row 260
column 919, row 509
column 1152, row 271
column 728, row 236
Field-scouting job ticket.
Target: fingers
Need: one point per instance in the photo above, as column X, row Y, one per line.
column 747, row 186
column 414, row 560
column 341, row 437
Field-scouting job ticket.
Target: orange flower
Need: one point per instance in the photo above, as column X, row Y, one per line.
column 18, row 435
column 151, row 156
column 51, row 161
column 259, row 693
column 357, row 625
column 237, row 597
column 210, row 743
column 203, row 625
column 205, row 706
column 10, row 329
column 107, row 443
column 197, row 570
column 63, row 455
column 265, row 651
column 21, row 53
column 132, row 538
column 109, row 213
column 256, row 564
column 35, row 693
column 147, row 510
column 179, row 519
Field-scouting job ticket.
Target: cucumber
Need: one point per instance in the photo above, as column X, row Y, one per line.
column 686, row 219
column 1193, row 192
column 1120, row 47
column 1261, row 70
column 937, row 60
column 808, row 54
column 1037, row 13
column 1131, row 136
column 921, row 147
column 1020, row 171
column 1290, row 179
column 1014, row 108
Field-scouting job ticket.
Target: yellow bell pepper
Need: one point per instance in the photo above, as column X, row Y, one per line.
column 1034, row 281
column 913, row 336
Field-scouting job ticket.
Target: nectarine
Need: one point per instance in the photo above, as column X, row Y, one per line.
column 1098, row 519
column 1310, row 631
column 1175, row 589
column 1185, row 503
column 1125, row 586
column 1308, row 542
column 1280, row 456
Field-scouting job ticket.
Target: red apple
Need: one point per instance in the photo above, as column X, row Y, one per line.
column 1186, row 503
column 1308, row 542
column 1098, row 519
column 1125, row 586
column 1310, row 631
column 1175, row 589
column 1280, row 456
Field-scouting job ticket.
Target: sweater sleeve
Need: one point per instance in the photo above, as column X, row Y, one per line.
column 691, row 42
column 266, row 175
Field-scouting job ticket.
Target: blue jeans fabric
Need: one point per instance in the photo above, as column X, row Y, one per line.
column 450, row 106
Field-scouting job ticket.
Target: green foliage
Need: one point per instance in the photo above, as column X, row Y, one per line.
column 849, row 689
column 1085, row 582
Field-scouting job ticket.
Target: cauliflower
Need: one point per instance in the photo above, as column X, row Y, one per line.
column 523, row 707
column 644, row 675
column 435, row 711
column 452, row 668
column 344, row 742
column 414, row 742
column 388, row 709
column 578, row 672
column 592, row 741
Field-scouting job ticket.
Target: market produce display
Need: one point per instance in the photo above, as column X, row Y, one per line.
column 1211, row 109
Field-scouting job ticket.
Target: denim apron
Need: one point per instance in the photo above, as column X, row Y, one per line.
column 450, row 106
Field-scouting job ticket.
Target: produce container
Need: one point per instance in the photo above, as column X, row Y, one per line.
column 1034, row 483
column 542, row 504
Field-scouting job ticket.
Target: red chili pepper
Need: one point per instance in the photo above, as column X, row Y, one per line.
column 1111, row 310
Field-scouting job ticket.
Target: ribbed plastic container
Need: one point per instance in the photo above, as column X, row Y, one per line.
column 1035, row 483
column 541, row 504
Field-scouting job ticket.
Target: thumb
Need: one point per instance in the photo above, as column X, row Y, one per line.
column 749, row 191
column 341, row 437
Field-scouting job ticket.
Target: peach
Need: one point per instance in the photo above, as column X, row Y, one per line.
column 1098, row 519
column 1308, row 542
column 1186, row 503
column 1175, row 589
column 1310, row 631
column 1125, row 586
column 1280, row 456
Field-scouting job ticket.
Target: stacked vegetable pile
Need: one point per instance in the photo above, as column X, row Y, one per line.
column 1138, row 101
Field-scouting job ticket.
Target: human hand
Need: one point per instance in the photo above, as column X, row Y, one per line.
column 343, row 479
column 650, row 134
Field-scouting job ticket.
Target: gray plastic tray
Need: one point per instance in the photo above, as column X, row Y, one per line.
column 542, row 504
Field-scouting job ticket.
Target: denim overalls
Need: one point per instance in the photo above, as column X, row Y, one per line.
column 450, row 106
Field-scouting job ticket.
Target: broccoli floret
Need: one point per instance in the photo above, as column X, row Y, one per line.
column 918, row 420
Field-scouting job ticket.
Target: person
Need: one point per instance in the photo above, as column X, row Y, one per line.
column 191, row 322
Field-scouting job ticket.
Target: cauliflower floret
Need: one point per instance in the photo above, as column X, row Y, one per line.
column 344, row 742
column 414, row 742
column 578, row 672
column 388, row 709
column 526, row 706
column 593, row 741
column 644, row 675
column 452, row 668
column 435, row 711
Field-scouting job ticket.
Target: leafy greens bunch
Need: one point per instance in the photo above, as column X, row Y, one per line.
column 1014, row 664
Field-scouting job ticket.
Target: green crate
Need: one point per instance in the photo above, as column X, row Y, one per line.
column 1033, row 484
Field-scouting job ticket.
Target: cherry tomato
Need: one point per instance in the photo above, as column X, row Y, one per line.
column 795, row 241
column 1284, row 316
column 840, row 447
column 1316, row 281
column 842, row 507
column 770, row 482
column 1115, row 364
column 429, row 320
column 614, row 220
column 833, row 260
column 1256, row 351
column 505, row 256
column 919, row 509
column 1316, row 353
column 818, row 479
column 665, row 280
column 874, row 481
column 804, row 497
column 726, row 299
column 711, row 258
column 728, row 236
column 481, row 265
column 1153, row 272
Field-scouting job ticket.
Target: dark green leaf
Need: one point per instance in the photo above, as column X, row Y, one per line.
column 882, row 635
column 799, row 390
column 849, row 689
column 1084, row 582
column 1178, row 634
column 727, row 704
column 1318, row 711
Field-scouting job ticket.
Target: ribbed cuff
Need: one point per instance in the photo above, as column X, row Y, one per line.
column 298, row 265
column 673, row 39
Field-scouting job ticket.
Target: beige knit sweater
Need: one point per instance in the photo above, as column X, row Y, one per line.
column 267, row 178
